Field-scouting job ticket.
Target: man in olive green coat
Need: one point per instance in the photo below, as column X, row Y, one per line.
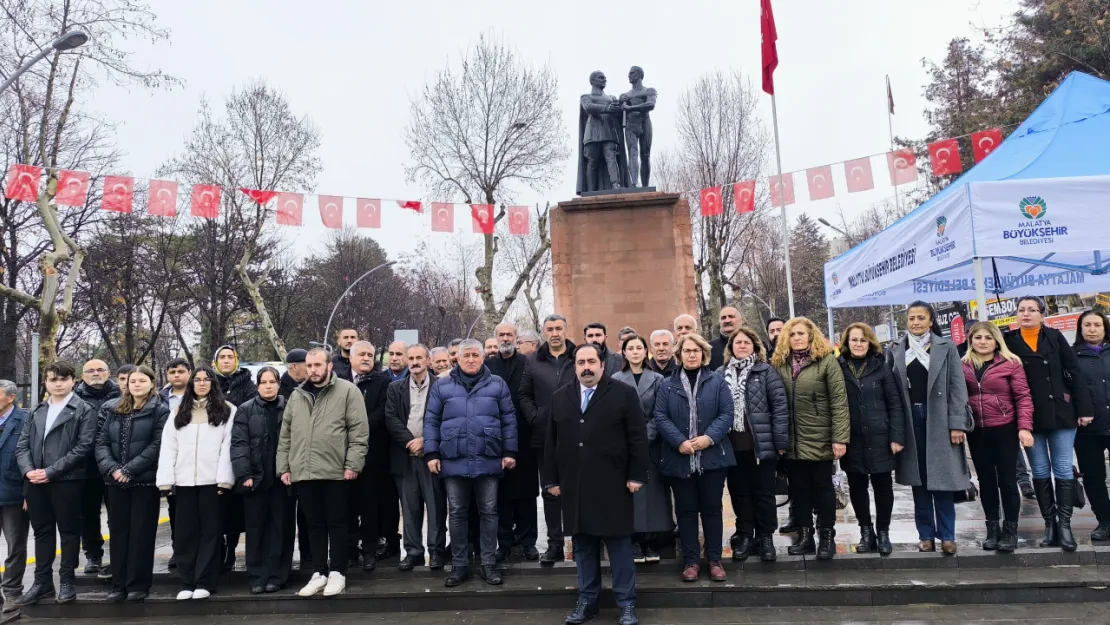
column 322, row 447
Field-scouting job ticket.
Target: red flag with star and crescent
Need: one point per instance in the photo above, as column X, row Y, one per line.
column 944, row 155
column 119, row 194
column 206, row 201
column 518, row 220
column 369, row 213
column 290, row 209
column 770, row 50
column 903, row 166
column 161, row 198
column 858, row 175
column 23, row 183
column 984, row 142
column 73, row 188
column 482, row 216
column 411, row 205
column 443, row 217
column 710, row 201
column 781, row 193
column 820, row 183
column 260, row 197
column 743, row 194
column 331, row 211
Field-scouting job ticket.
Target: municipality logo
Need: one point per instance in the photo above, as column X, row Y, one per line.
column 942, row 221
column 1033, row 207
column 835, row 279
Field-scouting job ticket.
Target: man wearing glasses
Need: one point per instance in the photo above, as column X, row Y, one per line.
column 96, row 387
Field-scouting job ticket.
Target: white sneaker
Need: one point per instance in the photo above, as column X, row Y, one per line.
column 314, row 585
column 336, row 584
column 184, row 595
column 201, row 593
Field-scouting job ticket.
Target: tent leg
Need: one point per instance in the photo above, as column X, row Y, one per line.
column 980, row 287
column 832, row 339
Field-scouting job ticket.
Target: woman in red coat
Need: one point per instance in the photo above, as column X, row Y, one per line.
column 999, row 396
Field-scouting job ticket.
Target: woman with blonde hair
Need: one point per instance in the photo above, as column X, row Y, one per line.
column 819, row 429
column 1003, row 408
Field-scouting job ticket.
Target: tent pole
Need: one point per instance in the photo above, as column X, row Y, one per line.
column 980, row 287
column 832, row 339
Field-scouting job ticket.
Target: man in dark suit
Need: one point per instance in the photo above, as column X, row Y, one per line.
column 596, row 458
column 373, row 498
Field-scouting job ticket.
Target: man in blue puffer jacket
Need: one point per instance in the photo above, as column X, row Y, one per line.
column 469, row 441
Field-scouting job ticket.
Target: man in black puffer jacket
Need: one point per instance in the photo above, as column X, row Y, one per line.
column 96, row 388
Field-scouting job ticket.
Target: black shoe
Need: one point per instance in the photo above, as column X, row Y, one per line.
column 651, row 553
column 1027, row 491
column 369, row 562
column 172, row 564
column 105, row 572
column 137, row 597
column 882, row 542
column 1046, row 500
column 37, row 593
column 490, row 575
column 117, row 596
column 867, row 542
column 826, row 548
column 458, row 575
column 383, row 546
column 530, row 553
column 1007, row 541
column 582, row 613
column 92, row 566
column 501, row 554
column 258, row 590
column 1102, row 532
column 437, row 561
column 791, row 526
column 741, row 547
column 353, row 563
column 553, row 554
column 1065, row 500
column 765, row 547
column 67, row 593
column 994, row 532
column 271, row 587
column 388, row 550
column 805, row 543
column 408, row 563
column 638, row 553
column 628, row 616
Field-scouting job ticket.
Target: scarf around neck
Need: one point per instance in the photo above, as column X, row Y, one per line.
column 736, row 376
column 798, row 361
column 917, row 348
column 692, row 402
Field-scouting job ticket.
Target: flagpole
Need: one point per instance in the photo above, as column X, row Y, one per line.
column 782, row 205
column 890, row 128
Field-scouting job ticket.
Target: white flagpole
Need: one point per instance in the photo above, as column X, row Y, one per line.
column 890, row 128
column 782, row 204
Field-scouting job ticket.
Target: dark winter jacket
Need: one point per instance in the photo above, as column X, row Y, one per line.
column 131, row 443
column 672, row 419
column 877, row 416
column 238, row 388
column 373, row 387
column 717, row 355
column 543, row 375
column 341, row 366
column 1001, row 396
column 767, row 410
column 522, row 481
column 11, row 479
column 67, row 446
column 470, row 431
column 1096, row 373
column 1059, row 389
column 666, row 370
column 819, row 413
column 288, row 385
column 254, row 439
column 96, row 397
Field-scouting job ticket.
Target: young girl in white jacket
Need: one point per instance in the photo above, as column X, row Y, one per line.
column 195, row 463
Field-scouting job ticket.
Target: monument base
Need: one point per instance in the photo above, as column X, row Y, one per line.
column 623, row 259
column 617, row 191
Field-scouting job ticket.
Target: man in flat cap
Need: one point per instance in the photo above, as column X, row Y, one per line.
column 295, row 373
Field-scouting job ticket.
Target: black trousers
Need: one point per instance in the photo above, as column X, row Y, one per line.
column 373, row 511
column 811, row 487
column 516, row 521
column 1090, row 453
column 56, row 507
column 883, row 483
column 196, row 545
column 552, row 514
column 304, row 545
column 171, row 504
column 751, row 488
column 269, row 516
column 93, row 496
column 325, row 510
column 995, row 456
column 233, row 525
column 133, row 512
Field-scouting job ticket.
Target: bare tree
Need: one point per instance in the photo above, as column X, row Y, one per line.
column 519, row 252
column 477, row 131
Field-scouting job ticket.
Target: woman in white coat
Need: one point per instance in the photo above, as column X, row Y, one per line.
column 195, row 463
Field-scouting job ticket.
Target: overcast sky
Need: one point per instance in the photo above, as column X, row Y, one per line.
column 352, row 67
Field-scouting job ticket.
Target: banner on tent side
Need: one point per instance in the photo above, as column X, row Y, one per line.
column 1023, row 217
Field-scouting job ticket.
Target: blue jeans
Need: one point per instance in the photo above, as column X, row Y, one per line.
column 1054, row 447
column 934, row 512
column 587, row 558
column 459, row 490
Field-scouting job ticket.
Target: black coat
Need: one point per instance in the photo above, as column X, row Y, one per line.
column 522, row 480
column 398, row 401
column 238, row 388
column 96, row 397
column 877, row 414
column 593, row 455
column 67, row 446
column 543, row 375
column 144, row 441
column 666, row 370
column 1096, row 372
column 341, row 366
column 1059, row 389
column 767, row 411
column 378, row 447
column 254, row 443
column 717, row 355
column 288, row 385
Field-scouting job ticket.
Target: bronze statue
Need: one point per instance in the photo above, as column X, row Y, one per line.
column 602, row 163
column 637, row 104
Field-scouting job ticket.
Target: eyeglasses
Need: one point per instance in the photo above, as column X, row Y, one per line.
column 100, row 370
column 201, row 381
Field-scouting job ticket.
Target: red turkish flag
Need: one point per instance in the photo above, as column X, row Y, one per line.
column 331, row 210
column 903, row 166
column 161, row 200
column 369, row 213
column 119, row 193
column 518, row 220
column 743, row 194
column 769, row 35
column 482, row 216
column 820, row 183
column 858, row 175
column 206, row 201
column 290, row 209
column 944, row 155
column 73, row 188
column 443, row 217
column 984, row 142
column 710, row 201
column 412, row 205
column 23, row 183
column 260, row 197
column 786, row 193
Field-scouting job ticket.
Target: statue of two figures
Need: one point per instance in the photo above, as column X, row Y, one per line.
column 614, row 135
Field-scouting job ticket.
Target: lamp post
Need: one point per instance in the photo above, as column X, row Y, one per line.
column 67, row 41
column 327, row 329
column 761, row 300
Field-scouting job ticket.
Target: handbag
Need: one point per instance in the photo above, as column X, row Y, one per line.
column 971, row 493
column 1080, row 494
column 840, row 479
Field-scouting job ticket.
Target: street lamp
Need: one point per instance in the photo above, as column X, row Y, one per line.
column 327, row 329
column 825, row 222
column 761, row 300
column 67, row 41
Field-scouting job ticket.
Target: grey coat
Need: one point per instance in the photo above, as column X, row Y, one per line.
column 651, row 504
column 947, row 410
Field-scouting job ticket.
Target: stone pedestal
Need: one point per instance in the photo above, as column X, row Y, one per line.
column 624, row 260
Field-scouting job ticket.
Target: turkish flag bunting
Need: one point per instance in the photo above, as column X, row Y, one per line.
column 482, row 216
column 858, row 175
column 161, row 198
column 119, row 193
column 260, row 197
column 206, row 201
column 369, row 213
column 710, row 201
column 984, row 142
column 73, row 187
column 743, row 194
column 903, row 166
column 443, row 217
column 785, row 194
column 770, row 50
column 412, row 205
column 518, row 220
column 331, row 210
column 290, row 209
column 944, row 155
column 820, row 183
column 23, row 183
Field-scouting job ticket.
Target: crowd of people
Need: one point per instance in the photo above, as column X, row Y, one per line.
column 623, row 447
